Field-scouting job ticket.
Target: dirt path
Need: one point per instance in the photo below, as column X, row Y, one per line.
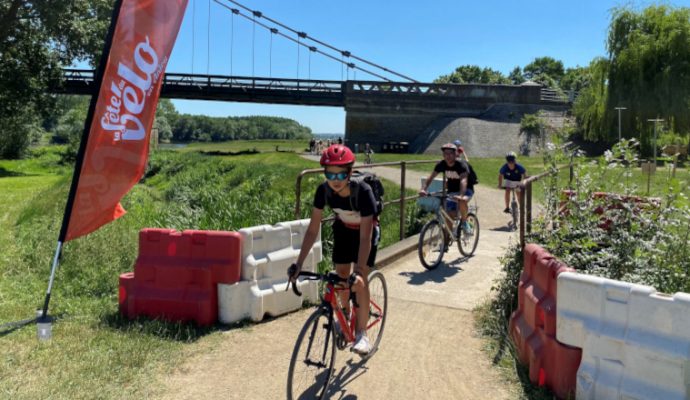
column 429, row 349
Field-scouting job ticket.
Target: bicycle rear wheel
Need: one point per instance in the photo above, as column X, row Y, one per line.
column 313, row 357
column 431, row 244
column 467, row 241
column 378, row 308
column 514, row 213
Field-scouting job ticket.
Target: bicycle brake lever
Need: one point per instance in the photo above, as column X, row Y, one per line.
column 295, row 290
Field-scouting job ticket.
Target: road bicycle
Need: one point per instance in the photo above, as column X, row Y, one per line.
column 436, row 237
column 313, row 358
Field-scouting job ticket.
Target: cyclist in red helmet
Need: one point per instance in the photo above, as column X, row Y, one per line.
column 355, row 231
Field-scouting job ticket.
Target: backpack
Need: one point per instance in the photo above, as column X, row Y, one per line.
column 472, row 176
column 356, row 179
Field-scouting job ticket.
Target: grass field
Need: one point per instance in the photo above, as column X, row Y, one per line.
column 95, row 353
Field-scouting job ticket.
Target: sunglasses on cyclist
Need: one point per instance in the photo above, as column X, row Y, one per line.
column 336, row 176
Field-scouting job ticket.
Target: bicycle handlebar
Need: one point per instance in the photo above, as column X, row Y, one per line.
column 330, row 277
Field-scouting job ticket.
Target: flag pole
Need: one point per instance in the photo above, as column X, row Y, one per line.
column 97, row 82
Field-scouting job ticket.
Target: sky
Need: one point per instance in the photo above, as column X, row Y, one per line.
column 422, row 40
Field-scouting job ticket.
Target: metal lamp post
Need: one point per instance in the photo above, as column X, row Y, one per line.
column 655, row 120
column 619, row 120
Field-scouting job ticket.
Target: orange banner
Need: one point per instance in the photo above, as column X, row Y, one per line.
column 118, row 142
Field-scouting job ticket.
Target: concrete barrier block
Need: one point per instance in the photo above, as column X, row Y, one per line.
column 635, row 341
column 253, row 300
column 268, row 251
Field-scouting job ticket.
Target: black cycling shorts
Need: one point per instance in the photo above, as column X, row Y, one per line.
column 346, row 244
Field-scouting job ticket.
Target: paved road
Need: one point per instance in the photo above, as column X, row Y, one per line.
column 429, row 350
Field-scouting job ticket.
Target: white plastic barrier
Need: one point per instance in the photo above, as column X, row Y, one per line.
column 430, row 203
column 635, row 341
column 267, row 252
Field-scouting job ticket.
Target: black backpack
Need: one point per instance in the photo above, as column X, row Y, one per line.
column 472, row 176
column 356, row 179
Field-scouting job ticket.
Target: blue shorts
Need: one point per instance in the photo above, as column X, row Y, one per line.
column 452, row 205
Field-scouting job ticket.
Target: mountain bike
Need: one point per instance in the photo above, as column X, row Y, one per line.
column 435, row 236
column 311, row 364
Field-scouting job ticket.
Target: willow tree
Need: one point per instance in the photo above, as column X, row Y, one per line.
column 591, row 105
column 649, row 69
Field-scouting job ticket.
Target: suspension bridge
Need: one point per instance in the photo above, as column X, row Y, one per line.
column 389, row 106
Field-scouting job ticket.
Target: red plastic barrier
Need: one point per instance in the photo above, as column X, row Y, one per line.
column 198, row 305
column 126, row 287
column 533, row 325
column 176, row 274
column 217, row 251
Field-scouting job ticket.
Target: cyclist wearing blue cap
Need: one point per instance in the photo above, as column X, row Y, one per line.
column 461, row 150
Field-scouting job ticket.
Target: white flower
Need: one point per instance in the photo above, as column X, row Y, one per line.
column 608, row 155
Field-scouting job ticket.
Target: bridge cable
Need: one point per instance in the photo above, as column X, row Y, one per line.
column 232, row 38
column 270, row 55
column 193, row 30
column 343, row 52
column 208, row 40
column 302, row 34
column 253, row 40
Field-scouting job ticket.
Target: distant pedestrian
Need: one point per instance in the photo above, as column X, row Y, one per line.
column 312, row 145
column 340, row 140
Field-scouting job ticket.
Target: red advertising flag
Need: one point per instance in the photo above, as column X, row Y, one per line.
column 118, row 141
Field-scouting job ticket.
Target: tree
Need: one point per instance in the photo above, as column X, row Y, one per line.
column 575, row 79
column 545, row 70
column 473, row 74
column 515, row 77
column 37, row 38
column 649, row 72
column 166, row 116
column 590, row 107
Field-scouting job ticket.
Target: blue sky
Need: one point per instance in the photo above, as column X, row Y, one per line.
column 419, row 39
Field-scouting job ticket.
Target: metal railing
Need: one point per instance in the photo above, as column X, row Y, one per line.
column 400, row 200
column 525, row 195
column 556, row 96
column 526, row 200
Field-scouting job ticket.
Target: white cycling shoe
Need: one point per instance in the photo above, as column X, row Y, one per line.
column 361, row 346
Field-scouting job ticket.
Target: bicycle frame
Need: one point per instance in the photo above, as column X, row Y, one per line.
column 331, row 300
column 444, row 218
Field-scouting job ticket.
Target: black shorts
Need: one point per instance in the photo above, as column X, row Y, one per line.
column 346, row 244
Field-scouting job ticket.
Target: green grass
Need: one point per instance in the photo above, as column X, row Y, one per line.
column 237, row 146
column 94, row 352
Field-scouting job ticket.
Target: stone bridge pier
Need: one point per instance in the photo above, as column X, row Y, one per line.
column 485, row 117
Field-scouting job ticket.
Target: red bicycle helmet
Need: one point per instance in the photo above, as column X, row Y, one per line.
column 337, row 154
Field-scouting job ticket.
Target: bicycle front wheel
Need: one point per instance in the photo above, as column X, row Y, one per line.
column 431, row 244
column 311, row 365
column 467, row 241
column 378, row 308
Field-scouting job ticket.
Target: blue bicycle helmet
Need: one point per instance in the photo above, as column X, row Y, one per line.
column 457, row 142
